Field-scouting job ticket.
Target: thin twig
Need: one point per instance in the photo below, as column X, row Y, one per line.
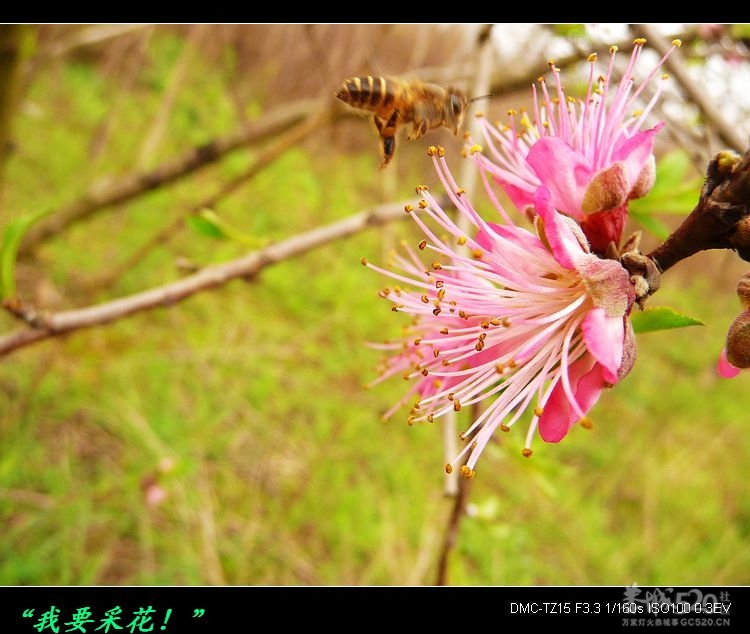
column 53, row 324
column 177, row 76
column 451, row 532
column 268, row 156
column 130, row 186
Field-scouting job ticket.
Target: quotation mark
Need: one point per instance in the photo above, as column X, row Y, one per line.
column 28, row 613
column 198, row 612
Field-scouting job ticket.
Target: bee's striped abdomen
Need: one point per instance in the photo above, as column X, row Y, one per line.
column 369, row 93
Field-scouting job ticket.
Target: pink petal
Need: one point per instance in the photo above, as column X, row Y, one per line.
column 559, row 415
column 724, row 368
column 515, row 235
column 521, row 197
column 604, row 337
column 636, row 151
column 564, row 170
column 565, row 246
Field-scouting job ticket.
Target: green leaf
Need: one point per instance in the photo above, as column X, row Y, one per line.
column 14, row 232
column 210, row 224
column 661, row 318
column 653, row 225
column 206, row 226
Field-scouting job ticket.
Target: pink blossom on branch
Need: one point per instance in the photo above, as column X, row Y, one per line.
column 526, row 322
column 592, row 153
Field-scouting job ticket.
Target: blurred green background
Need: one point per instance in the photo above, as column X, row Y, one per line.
column 228, row 439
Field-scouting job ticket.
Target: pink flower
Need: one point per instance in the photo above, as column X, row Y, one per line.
column 531, row 324
column 592, row 154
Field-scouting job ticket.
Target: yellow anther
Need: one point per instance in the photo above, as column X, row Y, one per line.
column 432, row 150
column 538, row 411
column 449, row 468
column 527, row 452
column 639, row 41
column 677, row 42
column 504, row 427
column 408, row 208
column 364, row 261
column 475, row 148
column 462, row 240
column 444, row 331
column 466, row 472
column 593, row 57
column 613, row 49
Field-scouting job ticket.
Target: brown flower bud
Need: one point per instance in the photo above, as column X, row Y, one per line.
column 738, row 341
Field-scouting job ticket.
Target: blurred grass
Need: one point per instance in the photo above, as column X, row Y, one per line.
column 245, row 405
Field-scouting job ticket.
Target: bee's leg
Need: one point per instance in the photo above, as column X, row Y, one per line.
column 419, row 129
column 387, row 131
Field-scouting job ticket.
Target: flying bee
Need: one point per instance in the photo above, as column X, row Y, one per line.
column 397, row 104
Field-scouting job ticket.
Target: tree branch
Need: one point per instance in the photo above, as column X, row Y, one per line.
column 133, row 185
column 11, row 36
column 280, row 145
column 44, row 326
column 451, row 532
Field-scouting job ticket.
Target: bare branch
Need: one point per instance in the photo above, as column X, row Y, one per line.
column 105, row 194
column 52, row 324
column 11, row 36
column 451, row 532
column 287, row 140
